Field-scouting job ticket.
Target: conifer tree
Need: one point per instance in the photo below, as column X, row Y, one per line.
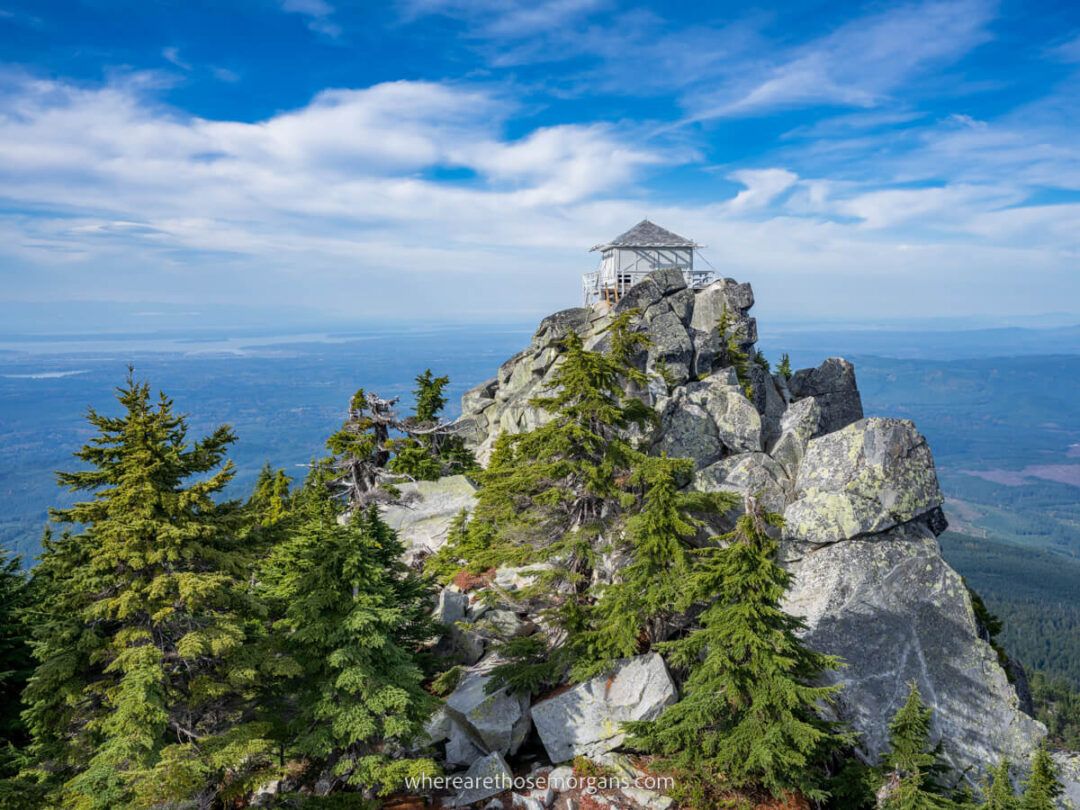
column 431, row 448
column 911, row 764
column 269, row 501
column 351, row 616
column 556, row 488
column 16, row 662
column 784, row 369
column 140, row 692
column 748, row 713
column 635, row 612
column 999, row 793
column 1042, row 787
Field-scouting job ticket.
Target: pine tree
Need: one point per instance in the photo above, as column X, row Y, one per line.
column 351, row 616
column 748, row 714
column 143, row 672
column 1042, row 786
column 911, row 764
column 999, row 793
column 16, row 664
column 636, row 611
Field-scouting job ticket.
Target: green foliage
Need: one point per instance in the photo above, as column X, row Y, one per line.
column 531, row 665
column 911, row 765
column 550, row 490
column 430, row 451
column 853, row 785
column 749, row 709
column 784, row 368
column 16, row 662
column 999, row 793
column 761, row 360
column 143, row 617
column 351, row 616
column 1057, row 706
column 446, row 682
column 269, row 501
column 1042, row 787
column 633, row 613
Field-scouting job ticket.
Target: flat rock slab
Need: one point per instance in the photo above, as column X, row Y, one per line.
column 431, row 506
column 587, row 719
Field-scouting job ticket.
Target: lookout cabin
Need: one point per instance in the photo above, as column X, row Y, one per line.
column 629, row 257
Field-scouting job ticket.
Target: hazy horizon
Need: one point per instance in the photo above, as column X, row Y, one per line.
column 458, row 158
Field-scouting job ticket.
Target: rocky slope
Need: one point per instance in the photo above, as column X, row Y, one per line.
column 862, row 508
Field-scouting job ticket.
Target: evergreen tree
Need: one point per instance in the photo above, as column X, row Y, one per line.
column 362, row 449
column 999, row 793
column 141, row 688
column 350, row 615
column 16, row 662
column 911, row 764
column 733, row 351
column 1042, row 786
column 748, row 713
column 553, row 490
column 431, row 448
column 637, row 610
column 784, row 369
column 269, row 501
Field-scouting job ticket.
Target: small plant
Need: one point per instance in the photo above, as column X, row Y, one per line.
column 733, row 352
column 585, row 768
column 446, row 682
column 784, row 369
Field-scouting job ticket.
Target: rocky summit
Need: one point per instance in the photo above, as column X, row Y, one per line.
column 862, row 511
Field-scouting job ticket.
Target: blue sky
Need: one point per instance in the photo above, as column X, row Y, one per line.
column 456, row 158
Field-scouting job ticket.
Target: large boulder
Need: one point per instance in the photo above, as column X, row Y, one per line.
column 736, row 299
column 747, row 474
column 422, row 519
column 671, row 349
column 496, row 722
column 587, row 719
column 487, row 777
column 708, row 419
column 832, row 384
column 895, row 612
column 868, row 477
column 798, row 424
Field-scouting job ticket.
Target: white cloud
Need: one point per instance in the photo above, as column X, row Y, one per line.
column 409, row 198
column 510, row 19
column 318, row 13
column 858, row 65
column 172, row 55
column 762, row 187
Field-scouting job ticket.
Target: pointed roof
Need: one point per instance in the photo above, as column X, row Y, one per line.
column 648, row 234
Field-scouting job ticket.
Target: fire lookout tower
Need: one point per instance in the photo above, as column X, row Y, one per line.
column 628, row 258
